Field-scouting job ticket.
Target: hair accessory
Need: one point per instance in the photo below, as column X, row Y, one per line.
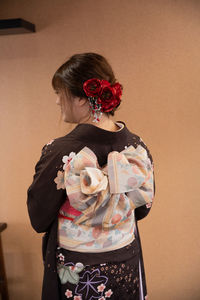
column 103, row 96
column 96, row 109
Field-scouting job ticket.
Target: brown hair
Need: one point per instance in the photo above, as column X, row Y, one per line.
column 80, row 67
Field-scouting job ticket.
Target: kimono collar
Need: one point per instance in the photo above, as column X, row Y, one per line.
column 88, row 132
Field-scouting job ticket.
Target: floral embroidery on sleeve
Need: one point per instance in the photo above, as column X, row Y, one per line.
column 67, row 158
column 59, row 180
column 148, row 205
column 50, row 142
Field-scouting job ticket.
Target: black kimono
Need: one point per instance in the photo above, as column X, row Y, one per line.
column 45, row 200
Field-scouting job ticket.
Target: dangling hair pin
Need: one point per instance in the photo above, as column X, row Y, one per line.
column 102, row 96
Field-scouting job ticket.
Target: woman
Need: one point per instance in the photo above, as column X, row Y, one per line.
column 89, row 189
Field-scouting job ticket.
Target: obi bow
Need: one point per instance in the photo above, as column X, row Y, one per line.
column 108, row 195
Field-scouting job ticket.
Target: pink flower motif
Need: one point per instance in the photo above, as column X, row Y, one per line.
column 148, row 205
column 66, row 159
column 59, row 180
column 77, row 298
column 102, row 298
column 68, row 293
column 101, row 287
column 50, row 142
column 61, row 256
column 108, row 293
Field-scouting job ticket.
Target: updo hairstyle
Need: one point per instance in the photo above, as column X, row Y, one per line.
column 71, row 76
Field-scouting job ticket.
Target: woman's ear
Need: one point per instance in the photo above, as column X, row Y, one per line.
column 82, row 101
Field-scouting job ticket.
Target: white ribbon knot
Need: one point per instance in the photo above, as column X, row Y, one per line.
column 93, row 180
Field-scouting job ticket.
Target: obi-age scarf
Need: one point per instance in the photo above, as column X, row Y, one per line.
column 100, row 207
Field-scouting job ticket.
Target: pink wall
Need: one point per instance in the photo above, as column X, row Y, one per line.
column 154, row 49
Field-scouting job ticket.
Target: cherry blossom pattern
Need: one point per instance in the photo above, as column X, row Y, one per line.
column 108, row 293
column 59, row 180
column 50, row 142
column 68, row 293
column 101, row 287
column 148, row 205
column 67, row 158
column 102, row 298
column 77, row 298
column 89, row 282
column 61, row 257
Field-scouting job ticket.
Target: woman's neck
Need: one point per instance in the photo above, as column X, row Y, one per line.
column 105, row 123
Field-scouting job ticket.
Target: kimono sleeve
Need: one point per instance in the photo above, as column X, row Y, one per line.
column 142, row 211
column 45, row 197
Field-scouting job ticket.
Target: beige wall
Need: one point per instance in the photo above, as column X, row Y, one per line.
column 154, row 48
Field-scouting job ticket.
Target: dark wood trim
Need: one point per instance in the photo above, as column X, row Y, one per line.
column 3, row 279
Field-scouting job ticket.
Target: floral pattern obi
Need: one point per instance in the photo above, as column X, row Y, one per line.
column 98, row 214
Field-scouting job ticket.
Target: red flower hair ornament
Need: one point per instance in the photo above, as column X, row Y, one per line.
column 103, row 96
